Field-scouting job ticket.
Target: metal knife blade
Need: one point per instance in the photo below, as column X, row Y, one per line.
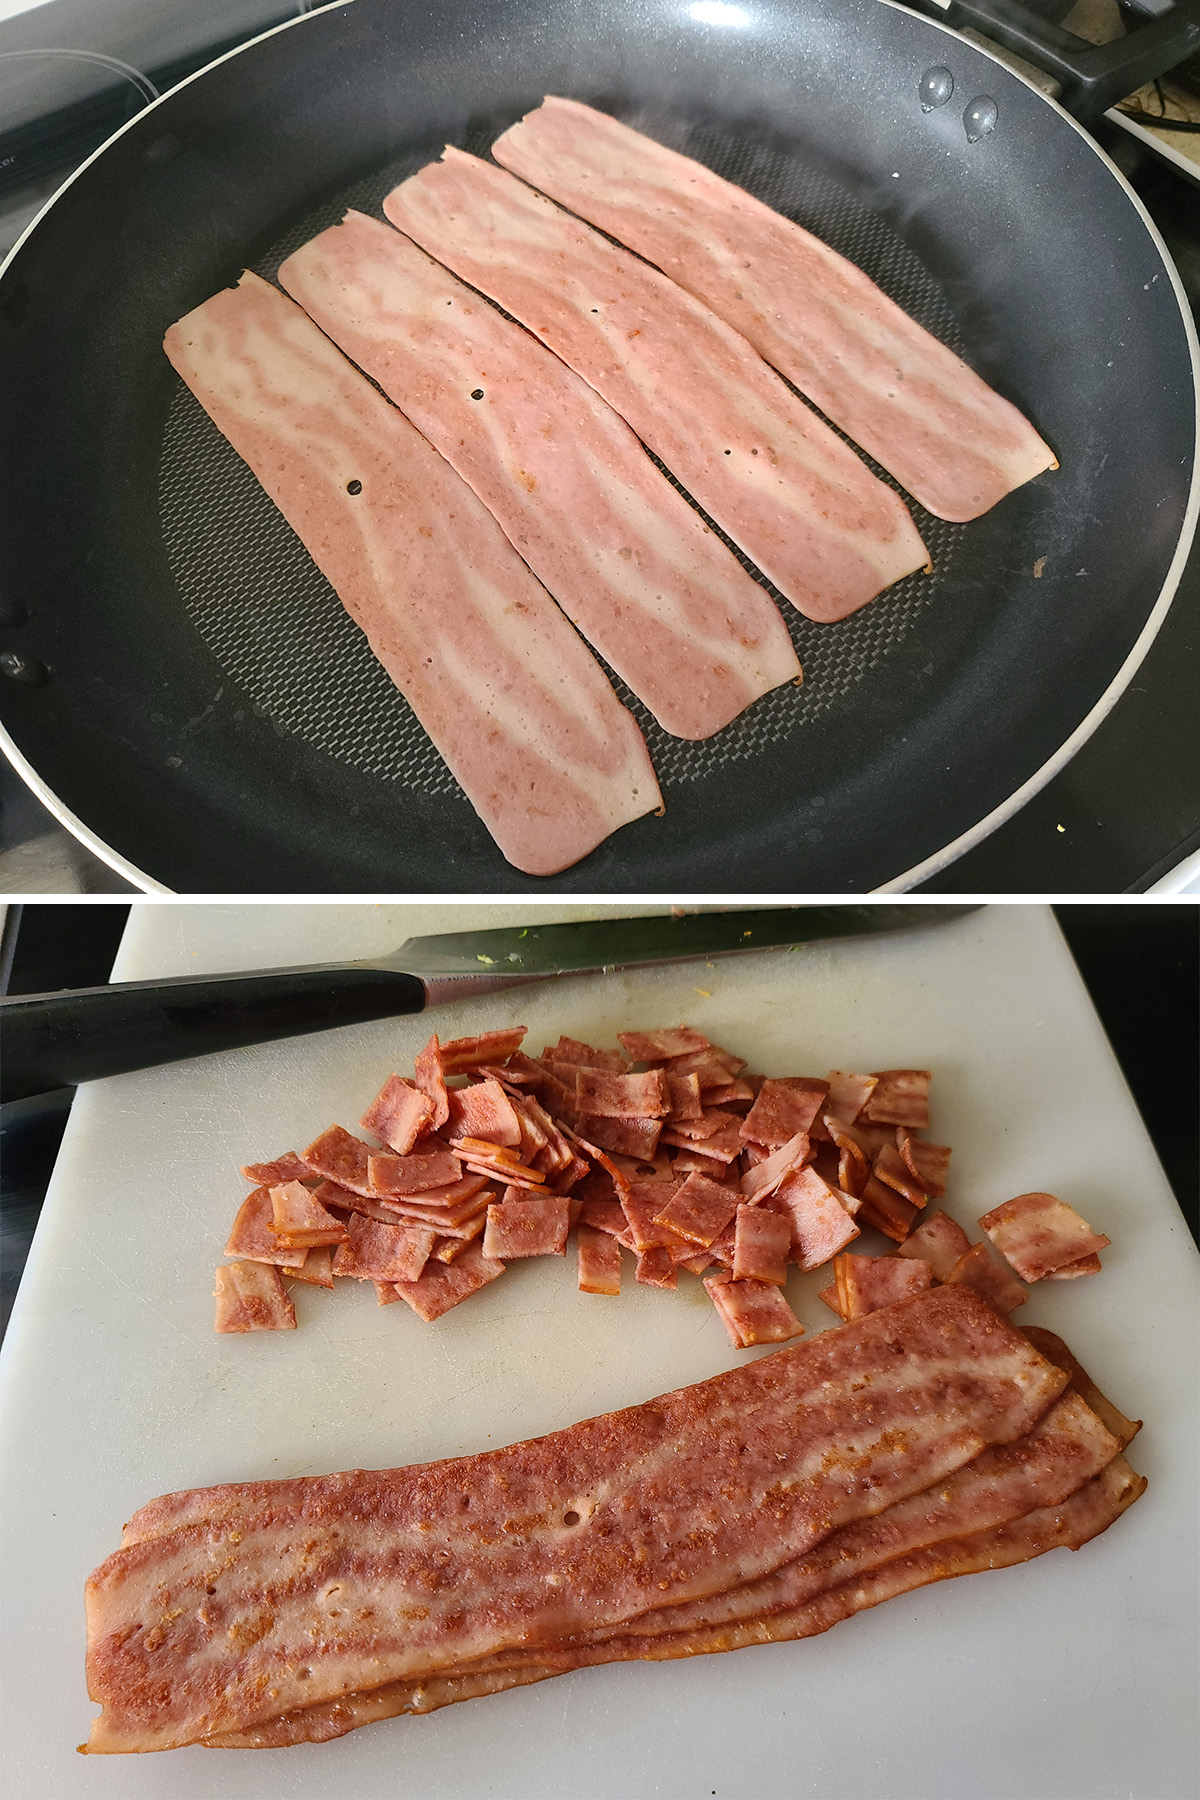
column 599, row 944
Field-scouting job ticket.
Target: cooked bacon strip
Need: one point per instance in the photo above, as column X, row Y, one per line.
column 764, row 1178
column 527, row 1228
column 714, row 1066
column 885, row 1209
column 901, row 1097
column 656, row 1268
column 375, row 1252
column 513, row 700
column 659, row 1046
column 866, row 1283
column 253, row 1235
column 602, row 1095
column 1038, row 1233
column 299, row 1220
column 250, row 1296
column 890, row 1167
column 820, row 1217
column 1087, row 1265
column 1055, row 1351
column 939, row 1240
column 977, row 1268
column 599, row 1261
column 423, row 1172
column 913, row 405
column 441, row 1286
column 752, row 1312
column 761, row 1243
column 427, row 1073
column 399, row 1114
column 342, row 1158
column 317, row 1267
column 287, row 1167
column 637, row 1138
column 848, row 1094
column 794, row 497
column 484, row 1110
column 686, row 1104
column 699, row 1210
column 928, row 1163
column 782, row 1108
column 629, row 561
column 853, row 1166
column 461, row 1054
column 571, row 1050
column 449, row 1249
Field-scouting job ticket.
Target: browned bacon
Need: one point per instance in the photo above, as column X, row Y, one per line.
column 956, row 445
column 513, row 700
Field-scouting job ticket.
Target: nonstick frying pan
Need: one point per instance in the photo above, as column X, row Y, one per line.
column 184, row 689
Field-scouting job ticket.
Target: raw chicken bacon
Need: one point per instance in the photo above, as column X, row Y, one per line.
column 926, row 1440
column 656, row 592
column 513, row 700
column 956, row 445
column 783, row 486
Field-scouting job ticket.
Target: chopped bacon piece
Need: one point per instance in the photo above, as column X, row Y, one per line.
column 443, row 1285
column 599, row 1261
column 399, row 1114
column 940, row 1240
column 785, row 1106
column 848, row 1094
column 571, row 1050
column 901, row 1097
column 714, row 1068
column 1037, row 1233
column 527, row 1228
column 385, row 1293
column 603, row 1095
column 658, row 1046
column 699, row 1210
column 830, row 1296
column 885, row 1209
column 853, row 1166
column 252, row 1236
column 685, row 1097
column 929, row 1163
column 820, row 1217
column 484, row 1110
column 340, row 1157
column 287, row 1167
column 490, row 1046
column 623, row 1137
column 890, row 1167
column 761, row 1242
column 722, row 1145
column 608, row 1216
column 690, row 1162
column 415, row 1174
column 1087, row 1265
column 737, row 1093
column 866, row 1283
column 753, row 1312
column 764, row 1178
column 641, row 1205
column 656, row 1268
column 376, row 1252
column 449, row 1249
column 978, row 1269
column 299, row 1220
column 250, row 1296
column 427, row 1073
column 317, row 1267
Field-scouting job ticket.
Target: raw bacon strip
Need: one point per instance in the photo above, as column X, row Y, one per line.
column 287, row 1167
column 913, row 405
column 384, row 1252
column 928, row 1163
column 761, row 1243
column 629, row 561
column 465, row 1053
column 782, row 1108
column 866, row 1283
column 250, row 1296
column 699, row 1210
column 848, row 1094
column 484, row 1110
column 901, row 1097
column 752, row 1312
column 421, row 1173
column 978, row 1269
column 820, row 1218
column 602, row 1095
column 659, row 1046
column 253, row 1236
column 399, row 1114
column 317, row 1267
column 526, row 1228
column 442, row 1286
column 1055, row 1351
column 599, row 1261
column 940, row 1241
column 1037, row 1233
column 299, row 1220
column 513, row 700
column 794, row 497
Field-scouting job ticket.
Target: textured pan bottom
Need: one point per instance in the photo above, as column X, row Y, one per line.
column 275, row 625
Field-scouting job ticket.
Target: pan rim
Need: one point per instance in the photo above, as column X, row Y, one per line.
column 949, row 853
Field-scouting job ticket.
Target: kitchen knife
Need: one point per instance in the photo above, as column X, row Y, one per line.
column 57, row 1040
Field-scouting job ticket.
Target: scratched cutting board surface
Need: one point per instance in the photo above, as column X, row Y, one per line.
column 1072, row 1676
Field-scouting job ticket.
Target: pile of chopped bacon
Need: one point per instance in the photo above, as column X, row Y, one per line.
column 927, row 1440
column 667, row 1148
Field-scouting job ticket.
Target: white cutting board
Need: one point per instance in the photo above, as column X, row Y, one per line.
column 1073, row 1676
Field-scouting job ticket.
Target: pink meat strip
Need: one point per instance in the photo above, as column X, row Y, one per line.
column 1038, row 1233
column 399, row 1114
column 752, row 1312
column 899, row 393
column 772, row 475
column 530, row 1227
column 250, row 1296
column 522, row 713
column 819, row 1217
column 629, row 561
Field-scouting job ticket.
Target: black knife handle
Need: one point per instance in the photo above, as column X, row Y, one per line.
column 56, row 1040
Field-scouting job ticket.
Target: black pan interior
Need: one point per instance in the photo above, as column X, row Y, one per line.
column 212, row 714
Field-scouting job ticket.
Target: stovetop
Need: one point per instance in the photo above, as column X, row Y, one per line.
column 1123, row 816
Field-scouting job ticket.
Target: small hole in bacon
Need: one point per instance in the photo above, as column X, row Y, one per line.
column 477, row 393
column 570, row 1518
column 354, row 487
